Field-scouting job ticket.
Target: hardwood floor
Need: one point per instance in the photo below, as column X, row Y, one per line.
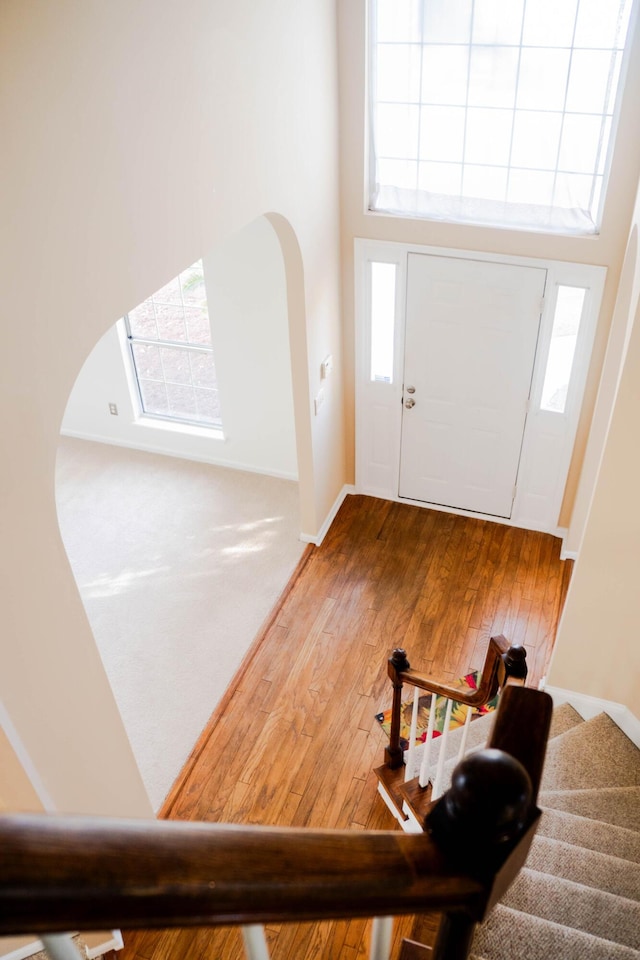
column 295, row 741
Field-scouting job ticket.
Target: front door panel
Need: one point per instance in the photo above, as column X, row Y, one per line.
column 470, row 344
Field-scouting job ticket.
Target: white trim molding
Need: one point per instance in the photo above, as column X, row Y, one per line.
column 317, row 538
column 568, row 554
column 548, row 436
column 146, row 447
column 37, row 946
column 588, row 707
column 25, row 760
column 116, row 943
column 565, row 553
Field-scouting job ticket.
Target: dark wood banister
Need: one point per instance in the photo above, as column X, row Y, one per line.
column 59, row 873
column 502, row 662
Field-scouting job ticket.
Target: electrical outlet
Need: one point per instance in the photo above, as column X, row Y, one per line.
column 113, row 409
column 326, row 367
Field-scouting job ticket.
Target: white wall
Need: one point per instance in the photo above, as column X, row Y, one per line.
column 246, row 293
column 136, row 137
column 597, row 650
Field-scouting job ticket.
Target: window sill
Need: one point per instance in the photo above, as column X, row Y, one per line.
column 185, row 429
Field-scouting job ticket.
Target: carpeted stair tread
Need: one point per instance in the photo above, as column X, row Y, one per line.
column 593, row 754
column 587, row 867
column 578, row 897
column 590, row 834
column 509, row 934
column 574, row 905
column 564, row 718
column 619, row 806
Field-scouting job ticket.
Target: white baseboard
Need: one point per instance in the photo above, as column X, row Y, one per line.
column 324, row 529
column 145, row 447
column 390, row 804
column 23, row 952
column 565, row 553
column 37, row 946
column 411, row 824
column 116, row 943
column 522, row 524
column 15, row 741
column 588, row 707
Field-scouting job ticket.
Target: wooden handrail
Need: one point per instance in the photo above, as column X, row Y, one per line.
column 59, row 873
column 503, row 662
column 499, row 653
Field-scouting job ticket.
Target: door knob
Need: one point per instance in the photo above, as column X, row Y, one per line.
column 409, row 403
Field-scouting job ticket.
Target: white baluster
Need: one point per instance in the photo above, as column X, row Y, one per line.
column 437, row 786
column 465, row 735
column 255, row 942
column 409, row 771
column 426, row 756
column 60, row 946
column 381, row 934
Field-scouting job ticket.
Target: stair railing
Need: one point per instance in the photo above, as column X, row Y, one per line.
column 504, row 663
column 60, row 873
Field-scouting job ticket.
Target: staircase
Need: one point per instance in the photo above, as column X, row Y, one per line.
column 569, row 891
column 578, row 896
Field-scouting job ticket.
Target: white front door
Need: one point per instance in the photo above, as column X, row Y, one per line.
column 470, row 344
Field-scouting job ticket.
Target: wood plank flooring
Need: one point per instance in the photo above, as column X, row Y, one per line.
column 295, row 741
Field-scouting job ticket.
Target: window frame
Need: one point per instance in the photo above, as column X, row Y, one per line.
column 370, row 158
column 128, row 341
column 378, row 410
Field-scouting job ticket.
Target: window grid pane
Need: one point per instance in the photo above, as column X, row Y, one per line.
column 515, row 85
column 170, row 340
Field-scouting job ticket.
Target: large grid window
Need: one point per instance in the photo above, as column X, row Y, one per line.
column 494, row 111
column 169, row 336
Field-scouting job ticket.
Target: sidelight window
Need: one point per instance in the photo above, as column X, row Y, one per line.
column 383, row 319
column 562, row 348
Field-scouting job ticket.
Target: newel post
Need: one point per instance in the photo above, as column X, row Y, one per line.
column 512, row 662
column 515, row 665
column 396, row 664
column 477, row 824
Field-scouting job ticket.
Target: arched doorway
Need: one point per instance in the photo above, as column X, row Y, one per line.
column 178, row 559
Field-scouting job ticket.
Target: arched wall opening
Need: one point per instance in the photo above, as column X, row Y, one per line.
column 178, row 560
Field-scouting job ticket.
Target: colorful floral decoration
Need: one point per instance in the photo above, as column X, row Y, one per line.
column 458, row 713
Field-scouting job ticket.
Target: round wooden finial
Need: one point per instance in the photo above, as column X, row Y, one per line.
column 515, row 661
column 487, row 804
column 399, row 659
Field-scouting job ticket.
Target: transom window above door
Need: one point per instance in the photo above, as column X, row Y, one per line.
column 499, row 112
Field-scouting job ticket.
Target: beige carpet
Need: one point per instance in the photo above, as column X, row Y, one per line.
column 178, row 564
column 578, row 897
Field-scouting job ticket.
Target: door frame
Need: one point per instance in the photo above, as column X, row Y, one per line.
column 548, row 437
